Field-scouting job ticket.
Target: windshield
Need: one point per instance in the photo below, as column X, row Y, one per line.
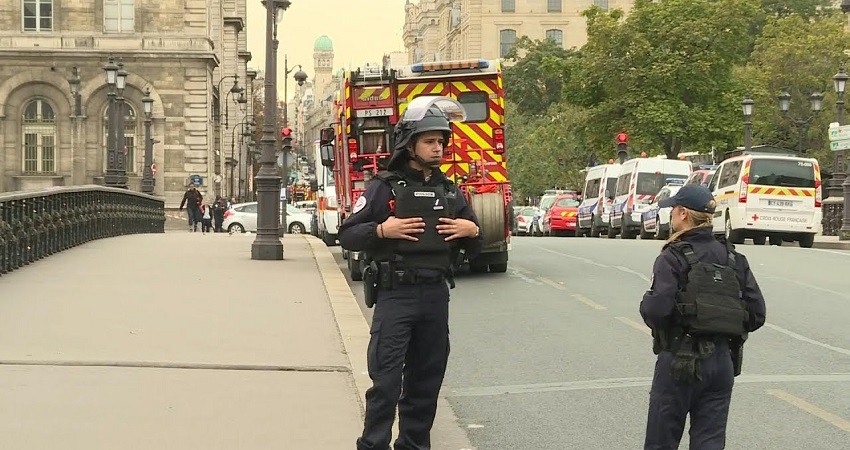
column 612, row 186
column 651, row 183
column 528, row 212
column 567, row 203
column 782, row 172
column 546, row 202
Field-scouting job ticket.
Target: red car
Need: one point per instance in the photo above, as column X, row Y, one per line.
column 560, row 219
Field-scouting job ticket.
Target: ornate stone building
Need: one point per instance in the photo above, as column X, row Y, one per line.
column 314, row 100
column 441, row 30
column 187, row 52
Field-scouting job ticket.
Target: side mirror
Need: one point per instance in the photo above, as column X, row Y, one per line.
column 326, row 136
column 314, row 185
column 327, row 154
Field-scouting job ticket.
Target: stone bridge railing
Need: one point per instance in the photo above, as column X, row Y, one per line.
column 34, row 225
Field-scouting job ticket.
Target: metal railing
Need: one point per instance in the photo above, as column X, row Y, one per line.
column 34, row 225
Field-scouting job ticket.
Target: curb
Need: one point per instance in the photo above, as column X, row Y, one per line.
column 838, row 245
column 351, row 325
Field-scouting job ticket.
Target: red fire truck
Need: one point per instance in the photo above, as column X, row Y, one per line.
column 370, row 102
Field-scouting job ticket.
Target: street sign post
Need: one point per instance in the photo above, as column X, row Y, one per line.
column 839, row 133
column 837, row 146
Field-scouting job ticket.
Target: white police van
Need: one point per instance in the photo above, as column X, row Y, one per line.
column 598, row 195
column 640, row 179
column 763, row 194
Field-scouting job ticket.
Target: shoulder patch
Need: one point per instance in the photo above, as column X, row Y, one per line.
column 360, row 204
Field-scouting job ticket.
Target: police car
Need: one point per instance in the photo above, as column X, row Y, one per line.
column 655, row 222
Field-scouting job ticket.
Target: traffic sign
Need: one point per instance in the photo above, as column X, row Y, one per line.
column 196, row 180
column 837, row 146
column 839, row 133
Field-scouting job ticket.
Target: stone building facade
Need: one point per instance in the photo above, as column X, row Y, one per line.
column 442, row 30
column 181, row 50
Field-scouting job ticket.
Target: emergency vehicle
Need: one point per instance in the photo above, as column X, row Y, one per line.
column 768, row 195
column 371, row 101
column 326, row 222
column 599, row 186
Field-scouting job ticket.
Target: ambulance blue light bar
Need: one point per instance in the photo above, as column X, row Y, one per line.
column 450, row 65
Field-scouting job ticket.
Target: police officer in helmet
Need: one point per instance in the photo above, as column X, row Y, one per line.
column 702, row 303
column 411, row 222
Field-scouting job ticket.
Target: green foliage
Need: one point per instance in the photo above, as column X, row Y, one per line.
column 537, row 79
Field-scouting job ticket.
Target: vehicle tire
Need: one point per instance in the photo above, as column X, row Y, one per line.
column 759, row 240
column 328, row 239
column 499, row 268
column 807, row 240
column 297, row 228
column 660, row 233
column 775, row 239
column 235, row 228
column 478, row 268
column 627, row 233
column 646, row 234
column 594, row 229
column 611, row 232
column 580, row 232
column 354, row 269
column 733, row 236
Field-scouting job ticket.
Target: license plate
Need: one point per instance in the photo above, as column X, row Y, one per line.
column 783, row 203
column 377, row 112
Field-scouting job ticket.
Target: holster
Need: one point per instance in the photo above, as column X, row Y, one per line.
column 370, row 284
column 385, row 275
column 736, row 347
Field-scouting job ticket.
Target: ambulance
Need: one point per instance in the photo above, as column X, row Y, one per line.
column 765, row 195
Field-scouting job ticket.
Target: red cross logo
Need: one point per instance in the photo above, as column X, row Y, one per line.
column 755, row 217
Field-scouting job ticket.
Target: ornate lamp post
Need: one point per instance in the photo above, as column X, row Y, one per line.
column 267, row 245
column 833, row 206
column 120, row 141
column 76, row 131
column 112, row 177
column 147, row 174
column 802, row 124
column 747, row 107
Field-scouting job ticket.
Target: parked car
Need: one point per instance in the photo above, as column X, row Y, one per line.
column 560, row 219
column 242, row 217
column 545, row 203
column 702, row 175
column 524, row 219
column 655, row 222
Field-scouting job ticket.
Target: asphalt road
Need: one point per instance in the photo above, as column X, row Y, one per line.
column 553, row 354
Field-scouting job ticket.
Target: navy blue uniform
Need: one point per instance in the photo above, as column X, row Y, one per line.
column 707, row 400
column 409, row 346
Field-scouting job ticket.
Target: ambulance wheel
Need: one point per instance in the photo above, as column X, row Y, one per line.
column 735, row 236
column 759, row 240
column 776, row 239
column 354, row 269
column 807, row 240
column 594, row 229
column 499, row 268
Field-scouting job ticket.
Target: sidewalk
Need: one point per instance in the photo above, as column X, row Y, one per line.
column 830, row 242
column 176, row 341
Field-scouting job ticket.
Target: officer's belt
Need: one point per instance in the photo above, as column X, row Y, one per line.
column 418, row 276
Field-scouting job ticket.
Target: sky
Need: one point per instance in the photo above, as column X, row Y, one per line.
column 361, row 31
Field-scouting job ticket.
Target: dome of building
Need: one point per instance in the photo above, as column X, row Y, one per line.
column 323, row 44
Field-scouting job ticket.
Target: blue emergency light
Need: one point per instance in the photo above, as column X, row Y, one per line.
column 450, row 65
column 675, row 181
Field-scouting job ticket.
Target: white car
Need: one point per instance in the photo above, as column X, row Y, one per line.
column 242, row 217
column 656, row 221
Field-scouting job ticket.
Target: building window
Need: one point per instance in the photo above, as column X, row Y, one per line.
column 129, row 138
column 118, row 16
column 38, row 15
column 39, row 131
column 507, row 39
column 556, row 36
column 508, row 5
column 602, row 4
column 554, row 6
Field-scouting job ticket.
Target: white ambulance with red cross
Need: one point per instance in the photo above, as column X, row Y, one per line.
column 763, row 195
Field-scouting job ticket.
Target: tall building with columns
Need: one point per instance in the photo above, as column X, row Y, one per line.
column 187, row 52
column 442, row 30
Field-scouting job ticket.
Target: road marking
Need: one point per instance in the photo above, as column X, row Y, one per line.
column 589, row 302
column 552, row 283
column 636, row 325
column 800, row 337
column 808, row 286
column 640, row 275
column 812, row 409
column 578, row 258
column 836, row 252
column 618, row 383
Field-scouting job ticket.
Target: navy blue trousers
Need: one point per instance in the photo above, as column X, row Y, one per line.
column 407, row 357
column 707, row 401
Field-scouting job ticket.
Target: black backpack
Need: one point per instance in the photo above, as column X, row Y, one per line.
column 709, row 300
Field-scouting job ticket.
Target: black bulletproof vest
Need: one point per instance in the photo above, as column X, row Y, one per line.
column 413, row 199
column 710, row 296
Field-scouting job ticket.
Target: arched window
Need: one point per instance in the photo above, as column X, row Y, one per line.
column 556, row 36
column 507, row 39
column 129, row 138
column 39, row 131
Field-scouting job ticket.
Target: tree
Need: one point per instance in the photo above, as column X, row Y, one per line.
column 537, row 79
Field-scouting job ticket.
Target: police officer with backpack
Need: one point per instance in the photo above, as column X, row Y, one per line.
column 702, row 303
column 411, row 222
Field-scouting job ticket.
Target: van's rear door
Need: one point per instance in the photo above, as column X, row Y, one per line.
column 781, row 192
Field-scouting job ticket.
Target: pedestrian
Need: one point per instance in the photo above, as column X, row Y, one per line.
column 411, row 222
column 192, row 199
column 206, row 217
column 219, row 207
column 702, row 303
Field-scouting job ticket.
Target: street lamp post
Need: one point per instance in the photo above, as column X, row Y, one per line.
column 267, row 244
column 120, row 114
column 111, row 178
column 833, row 206
column 802, row 124
column 147, row 171
column 300, row 78
column 77, row 150
column 747, row 107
